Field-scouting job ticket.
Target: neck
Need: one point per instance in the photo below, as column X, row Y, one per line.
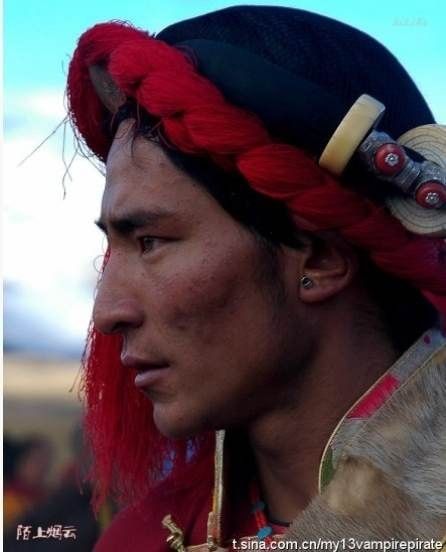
column 288, row 441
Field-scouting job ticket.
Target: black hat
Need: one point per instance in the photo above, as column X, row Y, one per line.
column 340, row 60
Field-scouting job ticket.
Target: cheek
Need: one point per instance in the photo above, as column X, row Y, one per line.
column 201, row 298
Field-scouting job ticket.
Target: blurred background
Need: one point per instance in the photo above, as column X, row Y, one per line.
column 51, row 248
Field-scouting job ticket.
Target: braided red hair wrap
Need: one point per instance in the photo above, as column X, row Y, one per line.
column 196, row 118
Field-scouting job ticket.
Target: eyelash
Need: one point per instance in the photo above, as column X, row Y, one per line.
column 142, row 245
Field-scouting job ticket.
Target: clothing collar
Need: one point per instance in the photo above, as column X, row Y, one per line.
column 358, row 415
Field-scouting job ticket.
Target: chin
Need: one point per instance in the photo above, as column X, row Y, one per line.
column 175, row 423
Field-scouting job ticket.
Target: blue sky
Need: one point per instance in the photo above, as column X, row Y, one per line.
column 40, row 34
column 51, row 243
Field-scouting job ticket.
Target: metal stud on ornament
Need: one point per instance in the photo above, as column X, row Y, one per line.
column 422, row 215
column 389, row 159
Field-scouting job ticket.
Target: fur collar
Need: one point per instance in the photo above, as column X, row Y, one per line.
column 383, row 473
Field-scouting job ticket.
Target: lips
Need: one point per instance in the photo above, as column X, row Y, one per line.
column 151, row 376
column 149, row 372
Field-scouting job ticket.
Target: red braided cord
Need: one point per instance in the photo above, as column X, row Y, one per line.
column 196, row 118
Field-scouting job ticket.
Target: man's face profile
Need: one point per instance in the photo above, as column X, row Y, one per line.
column 184, row 287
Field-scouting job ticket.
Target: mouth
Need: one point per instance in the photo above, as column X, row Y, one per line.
column 150, row 374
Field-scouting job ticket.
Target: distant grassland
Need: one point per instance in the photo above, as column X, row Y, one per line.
column 37, row 400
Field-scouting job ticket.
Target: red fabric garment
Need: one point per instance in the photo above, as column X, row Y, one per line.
column 139, row 528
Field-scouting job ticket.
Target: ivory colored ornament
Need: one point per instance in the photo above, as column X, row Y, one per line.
column 429, row 141
column 364, row 115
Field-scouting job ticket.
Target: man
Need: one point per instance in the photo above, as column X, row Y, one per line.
column 276, row 270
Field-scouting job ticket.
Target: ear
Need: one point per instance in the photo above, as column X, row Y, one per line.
column 330, row 264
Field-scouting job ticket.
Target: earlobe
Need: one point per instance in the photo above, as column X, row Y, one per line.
column 328, row 269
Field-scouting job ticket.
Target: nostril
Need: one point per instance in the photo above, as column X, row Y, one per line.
column 117, row 317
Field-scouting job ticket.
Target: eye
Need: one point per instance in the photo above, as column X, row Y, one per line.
column 147, row 243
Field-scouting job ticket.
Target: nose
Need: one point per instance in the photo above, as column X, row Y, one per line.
column 116, row 308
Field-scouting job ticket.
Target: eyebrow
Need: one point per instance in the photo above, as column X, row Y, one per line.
column 126, row 223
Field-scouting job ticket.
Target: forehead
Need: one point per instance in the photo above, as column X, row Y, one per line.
column 140, row 175
column 136, row 161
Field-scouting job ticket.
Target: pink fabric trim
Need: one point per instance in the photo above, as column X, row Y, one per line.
column 375, row 397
